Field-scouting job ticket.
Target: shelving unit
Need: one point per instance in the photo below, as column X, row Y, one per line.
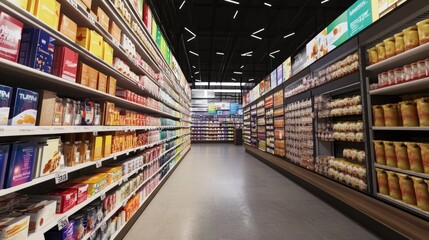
column 214, row 128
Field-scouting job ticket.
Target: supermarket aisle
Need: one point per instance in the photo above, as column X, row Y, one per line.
column 220, row 192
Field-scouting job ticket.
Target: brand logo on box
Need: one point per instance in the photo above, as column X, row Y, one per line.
column 9, row 36
column 4, row 94
column 27, row 97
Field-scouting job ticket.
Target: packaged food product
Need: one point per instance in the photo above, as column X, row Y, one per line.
column 96, row 183
column 383, row 185
column 399, row 75
column 391, row 116
column 381, row 52
column 10, row 39
column 415, row 157
column 415, row 71
column 14, row 227
column 66, row 199
column 389, row 149
column 399, row 43
column 425, row 156
column 67, row 233
column 409, row 113
column 394, row 188
column 69, row 110
column 373, row 55
column 102, row 18
column 50, row 157
column 422, row 71
column 411, row 37
column 107, row 149
column 79, row 227
column 422, row 194
column 67, row 27
column 378, row 115
column 115, row 31
column 5, row 102
column 21, row 163
column 93, row 78
column 81, row 190
column 407, row 189
column 391, row 77
column 408, row 73
column 380, row 156
column 41, row 212
column 4, row 156
column 423, row 111
column 107, row 53
column 47, row 11
column 88, row 114
column 389, row 45
column 78, row 113
column 402, row 155
column 114, row 174
column 97, row 148
column 102, row 82
column 423, row 29
column 83, row 74
column 111, row 83
column 65, row 63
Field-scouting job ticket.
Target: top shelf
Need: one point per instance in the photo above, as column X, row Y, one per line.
column 410, row 56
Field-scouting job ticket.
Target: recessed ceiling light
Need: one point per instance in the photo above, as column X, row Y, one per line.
column 194, row 67
column 251, row 79
column 242, row 67
column 231, row 1
column 196, row 72
column 196, row 54
column 235, row 14
column 220, row 53
column 324, row 1
column 259, row 38
column 289, row 35
column 260, row 30
column 275, row 52
column 267, row 4
column 183, row 3
column 238, row 72
column 233, row 79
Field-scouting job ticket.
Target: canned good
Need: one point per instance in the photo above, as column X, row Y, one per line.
column 422, row 72
column 389, row 46
column 415, row 71
column 423, row 29
column 408, row 73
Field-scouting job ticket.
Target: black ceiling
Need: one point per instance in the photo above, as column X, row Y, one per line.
column 216, row 31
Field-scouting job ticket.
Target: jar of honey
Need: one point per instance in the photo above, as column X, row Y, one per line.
column 372, row 55
column 415, row 157
column 422, row 193
column 394, row 188
column 409, row 114
column 389, row 46
column 383, row 185
column 407, row 189
column 381, row 52
column 411, row 37
column 391, row 115
column 423, row 29
column 399, row 43
column 402, row 155
column 378, row 115
column 389, row 151
column 380, row 156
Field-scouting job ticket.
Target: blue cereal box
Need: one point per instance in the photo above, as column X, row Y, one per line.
column 24, row 112
column 21, row 164
column 5, row 100
column 4, row 155
column 37, row 49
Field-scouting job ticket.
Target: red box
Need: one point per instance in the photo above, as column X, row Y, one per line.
column 10, row 37
column 81, row 191
column 66, row 199
column 65, row 63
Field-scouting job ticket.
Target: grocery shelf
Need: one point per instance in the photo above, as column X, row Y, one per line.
column 207, row 126
column 419, row 85
column 9, row 131
column 400, row 128
column 403, row 205
column 408, row 172
column 407, row 57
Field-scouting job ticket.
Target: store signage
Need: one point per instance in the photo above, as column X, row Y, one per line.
column 273, row 78
column 317, row 48
column 337, row 32
column 233, row 108
column 212, row 109
column 267, row 84
column 279, row 74
column 287, row 69
column 262, row 87
column 299, row 62
column 359, row 16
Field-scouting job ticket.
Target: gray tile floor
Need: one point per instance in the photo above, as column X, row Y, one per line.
column 219, row 192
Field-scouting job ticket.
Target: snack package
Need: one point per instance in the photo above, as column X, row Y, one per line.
column 25, row 105
column 5, row 101
column 10, row 39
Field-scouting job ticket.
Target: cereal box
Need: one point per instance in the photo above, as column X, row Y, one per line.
column 5, row 100
column 65, row 63
column 24, row 111
column 21, row 164
column 4, row 156
column 10, row 37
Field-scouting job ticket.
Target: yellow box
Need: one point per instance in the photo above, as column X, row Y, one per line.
column 83, row 37
column 96, row 44
column 57, row 14
column 96, row 183
column 67, row 27
column 20, row 3
column 93, row 78
column 97, row 148
column 102, row 82
column 107, row 53
column 44, row 10
column 114, row 174
column 85, row 3
column 107, row 150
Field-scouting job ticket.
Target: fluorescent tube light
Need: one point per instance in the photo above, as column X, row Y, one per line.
column 223, row 84
column 190, row 31
column 181, row 5
column 196, row 72
column 275, row 52
column 289, row 35
column 242, row 67
column 194, row 67
column 269, row 5
column 235, row 14
column 238, row 72
column 220, row 53
column 248, row 53
column 251, row 79
column 196, row 54
column 197, row 80
column 231, row 1
column 192, row 38
column 226, row 90
column 259, row 38
column 260, row 30
column 233, row 79
column 272, row 56
column 324, row 1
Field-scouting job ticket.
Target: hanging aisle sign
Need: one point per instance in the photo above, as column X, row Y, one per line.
column 338, row 32
column 359, row 16
column 233, row 108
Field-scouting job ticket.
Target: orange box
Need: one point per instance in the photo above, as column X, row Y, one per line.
column 57, row 15
column 107, row 53
column 102, row 18
column 67, row 27
column 102, row 82
column 115, row 31
column 83, row 74
column 93, row 78
column 111, row 86
column 85, row 3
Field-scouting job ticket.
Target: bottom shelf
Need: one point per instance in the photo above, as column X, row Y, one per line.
column 402, row 204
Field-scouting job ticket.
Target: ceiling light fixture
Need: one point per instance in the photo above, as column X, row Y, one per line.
column 272, row 56
column 190, row 31
column 277, row 51
column 196, row 72
column 223, row 84
column 259, row 38
column 235, row 14
column 289, row 35
column 242, row 67
column 250, row 80
column 190, row 39
column 324, row 1
column 220, row 53
column 196, row 54
column 238, row 72
column 233, row 79
column 246, row 54
column 197, row 80
column 227, row 90
column 269, row 4
column 194, row 67
column 260, row 30
column 181, row 5
column 231, row 1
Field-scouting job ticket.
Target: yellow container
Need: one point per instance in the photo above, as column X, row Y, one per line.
column 422, row 193
column 424, row 147
column 378, row 116
column 409, row 114
column 415, row 157
column 394, row 188
column 372, row 55
column 380, row 155
column 383, row 185
column 399, row 43
column 411, row 37
column 381, row 51
column 389, row 150
column 407, row 189
column 389, row 46
column 423, row 111
column 402, row 155
column 391, row 115
column 423, row 29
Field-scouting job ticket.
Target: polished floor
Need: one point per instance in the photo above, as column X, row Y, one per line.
column 221, row 193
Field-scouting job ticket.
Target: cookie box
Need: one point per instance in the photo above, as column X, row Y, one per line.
column 5, row 101
column 25, row 105
column 21, row 163
column 10, row 37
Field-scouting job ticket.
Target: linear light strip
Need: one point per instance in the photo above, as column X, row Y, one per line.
column 181, row 5
column 235, row 15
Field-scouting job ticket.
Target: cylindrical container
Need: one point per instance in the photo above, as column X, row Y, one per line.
column 381, row 52
column 422, row 193
column 422, row 72
column 423, row 111
column 423, row 29
column 415, row 70
column 394, row 188
column 372, row 55
column 415, row 157
column 399, row 43
column 390, row 77
column 378, row 115
column 411, row 37
column 424, row 150
column 389, row 151
column 409, row 114
column 402, row 155
column 383, row 184
column 407, row 189
column 391, row 116
column 389, row 46
column 380, row 155
column 408, row 73
column 399, row 75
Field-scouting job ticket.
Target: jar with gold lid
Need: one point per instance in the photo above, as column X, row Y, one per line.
column 422, row 72
column 372, row 55
column 411, row 37
column 381, row 51
column 399, row 43
column 423, row 29
column 389, row 46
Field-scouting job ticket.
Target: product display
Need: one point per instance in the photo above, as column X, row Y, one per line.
column 214, row 128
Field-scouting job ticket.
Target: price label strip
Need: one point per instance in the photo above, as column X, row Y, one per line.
column 63, row 222
column 61, row 177
column 98, row 164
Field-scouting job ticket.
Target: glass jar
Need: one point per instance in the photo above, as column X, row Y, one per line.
column 423, row 111
column 409, row 114
column 422, row 72
column 389, row 151
column 97, row 118
column 407, row 189
column 411, row 38
column 381, row 52
column 58, row 112
column 391, row 77
column 422, row 193
column 378, row 115
column 402, row 156
column 424, row 150
column 399, row 75
column 399, row 43
column 394, row 189
column 372, row 55
column 391, row 116
column 68, row 112
column 408, row 73
column 383, row 185
column 423, row 29
column 415, row 70
column 76, row 157
column 380, row 156
column 415, row 157
column 389, row 46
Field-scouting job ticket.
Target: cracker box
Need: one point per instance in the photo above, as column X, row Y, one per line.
column 10, row 37
column 102, row 82
column 20, row 167
column 107, row 148
column 111, row 85
column 97, row 148
column 24, row 112
column 37, row 50
column 66, row 199
column 15, row 228
column 81, row 191
column 67, row 27
column 65, row 63
column 4, row 156
column 50, row 157
column 102, row 18
column 93, row 78
column 107, row 53
column 114, row 174
column 96, row 183
column 5, row 101
column 41, row 212
column 115, row 31
column 45, row 10
column 83, row 74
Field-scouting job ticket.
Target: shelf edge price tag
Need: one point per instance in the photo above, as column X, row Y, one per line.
column 103, row 196
column 61, row 177
column 73, row 3
column 63, row 222
column 98, row 164
column 91, row 19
